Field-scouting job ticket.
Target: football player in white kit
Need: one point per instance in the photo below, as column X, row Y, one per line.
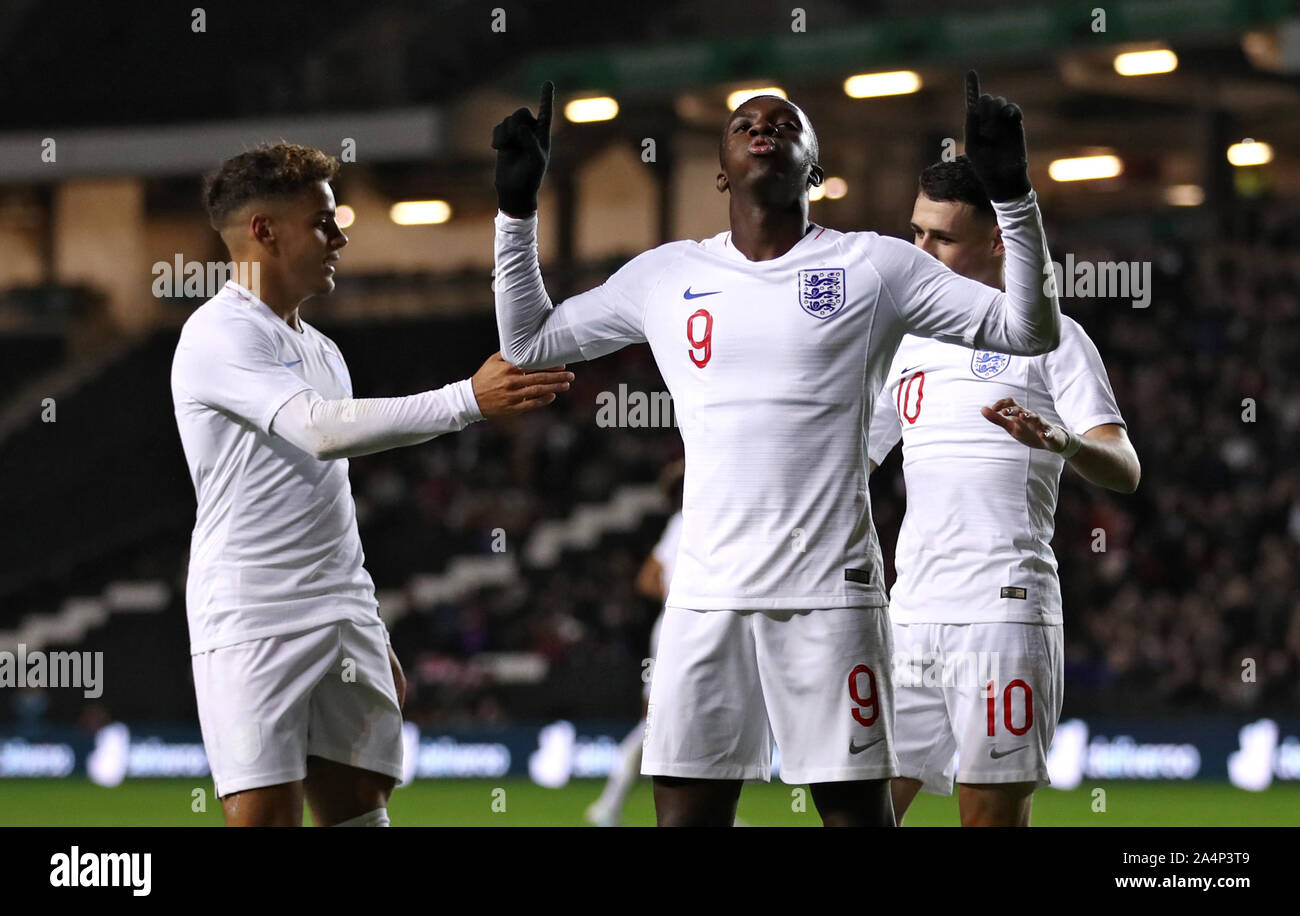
column 773, row 339
column 299, row 692
column 976, row 608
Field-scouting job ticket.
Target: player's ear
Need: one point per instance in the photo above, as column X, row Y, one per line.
column 815, row 176
column 262, row 229
column 722, row 183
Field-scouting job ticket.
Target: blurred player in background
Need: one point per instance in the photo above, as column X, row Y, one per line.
column 977, row 601
column 652, row 581
column 773, row 339
column 298, row 688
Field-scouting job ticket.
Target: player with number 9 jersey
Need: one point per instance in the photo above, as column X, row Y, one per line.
column 773, row 350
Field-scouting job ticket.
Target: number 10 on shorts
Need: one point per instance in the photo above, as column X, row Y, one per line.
column 1008, row 696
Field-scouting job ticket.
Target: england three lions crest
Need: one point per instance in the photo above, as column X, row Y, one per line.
column 986, row 363
column 821, row 291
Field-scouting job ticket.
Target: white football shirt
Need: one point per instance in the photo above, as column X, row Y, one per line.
column 275, row 547
column 665, row 551
column 975, row 544
column 773, row 367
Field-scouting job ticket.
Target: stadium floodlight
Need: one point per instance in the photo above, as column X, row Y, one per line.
column 817, row 193
column 873, row 85
column 836, row 188
column 1085, row 168
column 1184, row 195
column 740, row 95
column 420, row 212
column 1250, row 152
column 345, row 216
column 593, row 108
column 1146, row 63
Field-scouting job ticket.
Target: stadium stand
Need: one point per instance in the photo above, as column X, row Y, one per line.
column 1199, row 571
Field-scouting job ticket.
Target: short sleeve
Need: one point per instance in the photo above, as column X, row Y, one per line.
column 1076, row 378
column 232, row 365
column 929, row 299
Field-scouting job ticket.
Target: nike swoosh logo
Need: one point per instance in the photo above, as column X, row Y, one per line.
column 854, row 749
column 690, row 295
column 294, row 363
column 995, row 753
column 907, row 370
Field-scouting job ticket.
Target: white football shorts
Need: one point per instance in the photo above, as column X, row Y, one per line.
column 267, row 704
column 945, row 704
column 725, row 683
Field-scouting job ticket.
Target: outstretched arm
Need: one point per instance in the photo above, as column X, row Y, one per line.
column 347, row 428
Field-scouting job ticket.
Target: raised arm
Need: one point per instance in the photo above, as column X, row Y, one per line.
column 533, row 332
column 1030, row 317
column 932, row 301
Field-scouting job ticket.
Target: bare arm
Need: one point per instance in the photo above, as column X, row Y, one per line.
column 1107, row 458
column 1105, row 455
column 650, row 580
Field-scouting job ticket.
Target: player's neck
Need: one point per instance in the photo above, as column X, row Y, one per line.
column 761, row 232
column 283, row 303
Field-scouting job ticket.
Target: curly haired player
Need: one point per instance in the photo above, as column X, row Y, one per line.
column 299, row 692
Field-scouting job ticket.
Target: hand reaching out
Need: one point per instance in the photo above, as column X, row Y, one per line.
column 503, row 390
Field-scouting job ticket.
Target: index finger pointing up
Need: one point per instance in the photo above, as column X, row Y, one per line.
column 544, row 107
column 972, row 89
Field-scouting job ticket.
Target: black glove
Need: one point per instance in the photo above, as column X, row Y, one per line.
column 523, row 145
column 995, row 142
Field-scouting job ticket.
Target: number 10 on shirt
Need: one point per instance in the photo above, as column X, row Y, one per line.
column 905, row 399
